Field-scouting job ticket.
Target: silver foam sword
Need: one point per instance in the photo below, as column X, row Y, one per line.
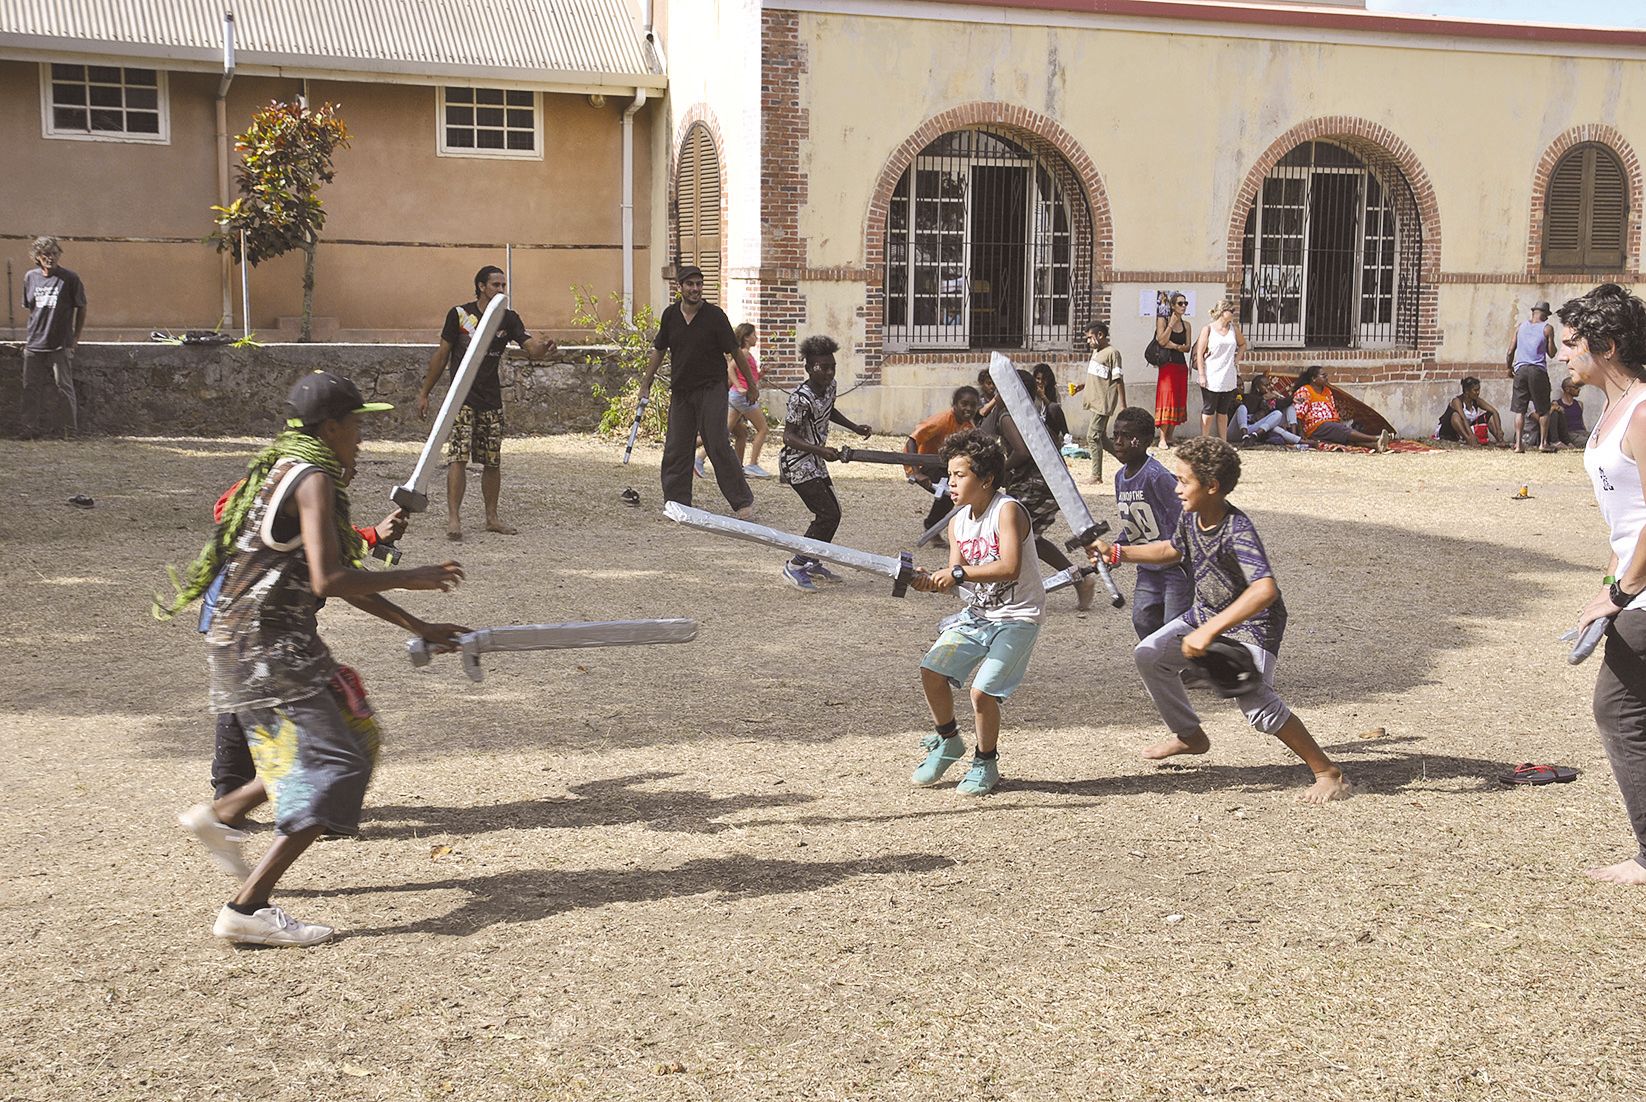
column 1070, row 505
column 413, row 495
column 634, row 429
column 574, row 636
column 900, row 569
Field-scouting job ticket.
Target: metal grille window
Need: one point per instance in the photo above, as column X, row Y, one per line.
column 490, row 122
column 981, row 248
column 697, row 207
column 1332, row 252
column 1586, row 213
column 104, row 102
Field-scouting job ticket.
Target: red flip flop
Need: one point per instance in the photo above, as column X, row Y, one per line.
column 1532, row 773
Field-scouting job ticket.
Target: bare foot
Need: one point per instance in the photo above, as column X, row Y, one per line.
column 498, row 526
column 1624, row 872
column 1190, row 744
column 454, row 534
column 1085, row 589
column 1328, row 787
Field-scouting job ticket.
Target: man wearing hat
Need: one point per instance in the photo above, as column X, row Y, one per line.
column 284, row 545
column 698, row 337
column 1528, row 363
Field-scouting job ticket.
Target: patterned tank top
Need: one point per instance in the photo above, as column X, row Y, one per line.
column 264, row 645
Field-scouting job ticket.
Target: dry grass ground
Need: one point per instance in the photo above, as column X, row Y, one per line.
column 699, row 872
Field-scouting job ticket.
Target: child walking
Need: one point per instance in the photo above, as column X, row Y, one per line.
column 805, row 450
column 1236, row 597
column 286, row 540
column 992, row 561
column 1146, row 493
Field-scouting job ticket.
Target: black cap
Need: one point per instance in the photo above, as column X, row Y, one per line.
column 322, row 396
column 687, row 271
column 1230, row 668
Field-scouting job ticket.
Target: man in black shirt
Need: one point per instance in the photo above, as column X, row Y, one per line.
column 478, row 431
column 56, row 301
column 698, row 337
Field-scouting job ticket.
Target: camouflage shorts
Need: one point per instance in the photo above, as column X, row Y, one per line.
column 1036, row 497
column 477, row 436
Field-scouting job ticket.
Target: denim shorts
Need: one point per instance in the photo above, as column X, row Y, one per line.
column 997, row 649
column 739, row 400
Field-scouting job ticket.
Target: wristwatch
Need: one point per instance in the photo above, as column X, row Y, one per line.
column 958, row 573
column 1619, row 598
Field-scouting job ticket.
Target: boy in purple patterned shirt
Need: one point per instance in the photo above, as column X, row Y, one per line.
column 1146, row 494
column 1235, row 597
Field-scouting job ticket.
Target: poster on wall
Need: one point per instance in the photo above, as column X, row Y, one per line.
column 1157, row 303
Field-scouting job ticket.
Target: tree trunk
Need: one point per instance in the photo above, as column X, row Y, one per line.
column 306, row 333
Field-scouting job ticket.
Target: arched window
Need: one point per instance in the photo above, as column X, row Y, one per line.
column 987, row 245
column 697, row 207
column 1586, row 211
column 1333, row 252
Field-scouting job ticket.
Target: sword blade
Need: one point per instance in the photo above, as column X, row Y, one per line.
column 924, row 460
column 634, row 429
column 412, row 496
column 898, row 569
column 568, row 636
column 937, row 529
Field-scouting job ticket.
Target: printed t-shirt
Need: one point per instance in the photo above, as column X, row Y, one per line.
column 697, row 349
column 51, row 301
column 978, row 540
column 808, row 418
column 1314, row 408
column 1223, row 563
column 1149, row 506
column 461, row 323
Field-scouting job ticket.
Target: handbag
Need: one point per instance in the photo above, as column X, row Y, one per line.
column 1156, row 354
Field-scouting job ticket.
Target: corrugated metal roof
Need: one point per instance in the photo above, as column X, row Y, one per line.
column 436, row 38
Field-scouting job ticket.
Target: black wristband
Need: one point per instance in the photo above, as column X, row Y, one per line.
column 1622, row 599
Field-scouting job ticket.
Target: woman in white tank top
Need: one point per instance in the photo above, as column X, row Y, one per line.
column 1217, row 355
column 1604, row 345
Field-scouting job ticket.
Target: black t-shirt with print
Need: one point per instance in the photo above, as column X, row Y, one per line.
column 51, row 301
column 697, row 349
column 461, row 322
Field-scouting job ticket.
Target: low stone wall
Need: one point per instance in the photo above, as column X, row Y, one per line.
column 190, row 390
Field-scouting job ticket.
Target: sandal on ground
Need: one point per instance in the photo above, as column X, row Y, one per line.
column 1532, row 773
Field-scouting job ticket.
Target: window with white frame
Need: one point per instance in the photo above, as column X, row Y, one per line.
column 104, row 102
column 491, row 122
column 980, row 246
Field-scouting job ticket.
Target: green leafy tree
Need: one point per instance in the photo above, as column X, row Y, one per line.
column 632, row 342
column 285, row 157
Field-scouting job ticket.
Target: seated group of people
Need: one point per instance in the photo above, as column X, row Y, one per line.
column 1471, row 420
column 1306, row 413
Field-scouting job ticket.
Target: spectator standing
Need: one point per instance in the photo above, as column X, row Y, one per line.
column 1217, row 363
column 477, row 434
column 1171, row 390
column 1105, row 394
column 56, row 301
column 698, row 337
column 1530, row 346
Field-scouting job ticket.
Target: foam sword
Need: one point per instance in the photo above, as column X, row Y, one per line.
column 899, row 569
column 579, row 636
column 924, row 460
column 1070, row 505
column 413, row 494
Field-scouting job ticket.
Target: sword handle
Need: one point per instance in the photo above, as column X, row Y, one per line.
column 1115, row 597
column 845, row 451
column 1086, row 539
column 905, row 573
column 388, row 552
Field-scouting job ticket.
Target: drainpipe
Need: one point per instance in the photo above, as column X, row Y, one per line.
column 227, row 320
column 628, row 203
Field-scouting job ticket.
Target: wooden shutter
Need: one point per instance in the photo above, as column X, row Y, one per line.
column 1586, row 212
column 698, row 198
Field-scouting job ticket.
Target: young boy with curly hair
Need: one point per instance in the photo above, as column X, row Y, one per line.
column 992, row 562
column 1236, row 597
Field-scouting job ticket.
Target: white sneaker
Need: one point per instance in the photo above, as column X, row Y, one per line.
column 222, row 842
column 268, row 926
column 755, row 470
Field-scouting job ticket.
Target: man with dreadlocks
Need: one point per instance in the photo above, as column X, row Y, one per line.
column 283, row 545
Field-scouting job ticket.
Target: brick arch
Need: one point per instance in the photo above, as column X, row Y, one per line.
column 982, row 113
column 1357, row 135
column 1612, row 139
column 696, row 114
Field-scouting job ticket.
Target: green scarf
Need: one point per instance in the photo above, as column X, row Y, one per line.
column 291, row 444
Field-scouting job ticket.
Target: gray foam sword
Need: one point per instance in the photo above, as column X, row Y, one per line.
column 572, row 636
column 900, row 569
column 1070, row 505
column 634, row 429
column 413, row 495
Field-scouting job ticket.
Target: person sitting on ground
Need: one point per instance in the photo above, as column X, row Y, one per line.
column 1265, row 415
column 985, row 388
column 1566, row 427
column 1046, row 397
column 1469, row 418
column 927, row 438
column 1317, row 414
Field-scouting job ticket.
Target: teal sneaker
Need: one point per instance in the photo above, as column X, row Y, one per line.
column 942, row 753
column 980, row 779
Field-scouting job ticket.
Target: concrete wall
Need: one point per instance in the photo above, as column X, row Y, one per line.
column 157, row 390
column 561, row 212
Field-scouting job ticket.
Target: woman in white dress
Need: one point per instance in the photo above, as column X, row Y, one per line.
column 1217, row 362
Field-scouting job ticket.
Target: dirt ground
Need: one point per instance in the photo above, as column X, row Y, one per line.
column 699, row 872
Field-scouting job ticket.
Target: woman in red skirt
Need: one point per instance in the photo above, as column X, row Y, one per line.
column 1171, row 390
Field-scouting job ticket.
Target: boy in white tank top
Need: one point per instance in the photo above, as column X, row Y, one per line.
column 992, row 562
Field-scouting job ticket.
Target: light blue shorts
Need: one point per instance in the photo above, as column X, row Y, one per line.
column 998, row 650
column 739, row 400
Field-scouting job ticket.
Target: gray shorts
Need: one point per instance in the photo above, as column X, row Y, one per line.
column 1531, row 389
column 1331, row 432
column 739, row 400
